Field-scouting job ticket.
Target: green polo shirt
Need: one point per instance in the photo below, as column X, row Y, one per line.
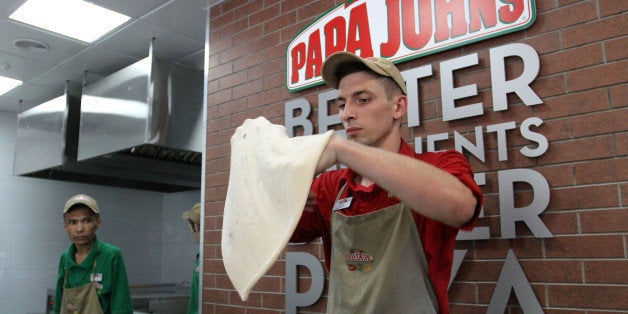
column 113, row 290
column 193, row 302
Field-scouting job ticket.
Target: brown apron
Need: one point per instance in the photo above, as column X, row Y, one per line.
column 378, row 264
column 80, row 300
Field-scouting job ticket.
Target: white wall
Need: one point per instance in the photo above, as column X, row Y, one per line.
column 155, row 242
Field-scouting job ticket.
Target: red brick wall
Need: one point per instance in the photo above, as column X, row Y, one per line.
column 583, row 49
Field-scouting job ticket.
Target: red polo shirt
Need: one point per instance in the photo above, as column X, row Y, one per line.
column 437, row 238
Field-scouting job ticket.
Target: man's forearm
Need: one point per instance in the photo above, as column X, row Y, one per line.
column 429, row 190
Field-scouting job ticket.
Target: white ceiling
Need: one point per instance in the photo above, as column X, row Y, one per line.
column 177, row 26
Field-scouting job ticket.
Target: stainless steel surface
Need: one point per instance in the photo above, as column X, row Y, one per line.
column 114, row 111
column 149, row 102
column 139, row 128
column 166, row 298
column 43, row 139
column 155, row 144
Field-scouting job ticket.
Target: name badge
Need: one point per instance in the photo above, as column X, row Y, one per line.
column 96, row 277
column 342, row 203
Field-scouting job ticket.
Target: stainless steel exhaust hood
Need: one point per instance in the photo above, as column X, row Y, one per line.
column 44, row 140
column 140, row 127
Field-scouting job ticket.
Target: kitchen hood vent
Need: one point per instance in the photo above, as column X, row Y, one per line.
column 44, row 140
column 140, row 127
column 165, row 153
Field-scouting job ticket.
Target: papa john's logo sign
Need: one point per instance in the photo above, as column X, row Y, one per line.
column 399, row 30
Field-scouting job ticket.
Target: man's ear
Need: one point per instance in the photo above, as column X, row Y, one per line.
column 400, row 106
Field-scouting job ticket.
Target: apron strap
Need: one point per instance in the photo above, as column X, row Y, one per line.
column 342, row 189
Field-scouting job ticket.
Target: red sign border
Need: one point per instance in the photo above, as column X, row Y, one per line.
column 463, row 42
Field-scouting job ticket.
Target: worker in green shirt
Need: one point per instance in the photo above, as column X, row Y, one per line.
column 193, row 216
column 92, row 277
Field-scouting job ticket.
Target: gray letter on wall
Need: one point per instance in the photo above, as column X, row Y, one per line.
column 293, row 121
column 520, row 85
column 294, row 299
column 509, row 214
column 513, row 277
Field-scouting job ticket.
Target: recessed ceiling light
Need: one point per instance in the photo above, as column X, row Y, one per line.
column 73, row 18
column 7, row 84
column 31, row 45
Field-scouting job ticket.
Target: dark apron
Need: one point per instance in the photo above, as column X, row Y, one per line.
column 80, row 300
column 378, row 264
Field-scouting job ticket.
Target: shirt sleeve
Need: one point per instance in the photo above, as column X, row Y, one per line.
column 456, row 164
column 309, row 227
column 120, row 292
column 314, row 224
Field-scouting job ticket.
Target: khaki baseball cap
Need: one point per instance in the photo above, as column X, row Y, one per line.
column 381, row 66
column 83, row 200
column 193, row 214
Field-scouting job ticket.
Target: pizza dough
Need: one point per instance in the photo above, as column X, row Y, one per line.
column 269, row 181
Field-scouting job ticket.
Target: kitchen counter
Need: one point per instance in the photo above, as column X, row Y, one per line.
column 160, row 298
